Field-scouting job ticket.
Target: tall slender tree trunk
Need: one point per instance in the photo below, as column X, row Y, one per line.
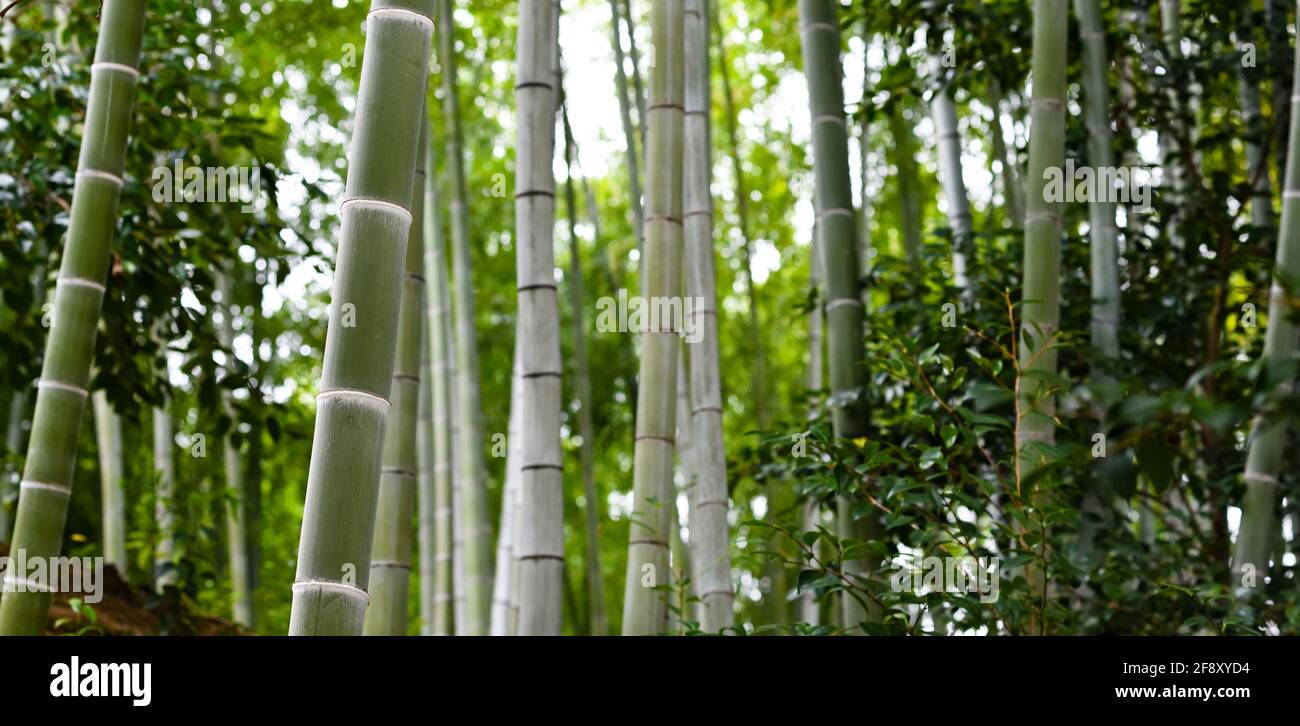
column 441, row 414
column 642, row 118
column 582, row 386
column 1041, row 297
column 108, row 438
column 165, row 503
column 647, row 562
column 1257, row 132
column 1012, row 189
column 477, row 531
column 505, row 593
column 944, row 111
column 709, row 504
column 15, row 433
column 236, row 510
column 629, row 131
column 541, row 515
column 390, row 562
column 909, row 200
column 1103, row 232
column 809, row 609
column 330, row 590
column 56, row 424
column 836, row 225
column 1255, row 539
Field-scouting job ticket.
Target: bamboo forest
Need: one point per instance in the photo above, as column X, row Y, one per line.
column 649, row 317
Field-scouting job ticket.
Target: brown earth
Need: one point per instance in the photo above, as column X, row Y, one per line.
column 128, row 610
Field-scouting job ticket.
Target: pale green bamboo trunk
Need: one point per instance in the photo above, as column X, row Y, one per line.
column 656, row 416
column 629, row 131
column 108, row 439
column 1103, row 232
column 390, row 562
column 540, row 537
column 944, row 111
column 809, row 609
column 505, row 594
column 634, row 55
column 909, row 200
column 1255, row 539
column 330, row 590
column 165, row 503
column 582, row 387
column 1261, row 200
column 711, row 565
column 441, row 413
column 836, row 227
column 237, row 549
column 426, row 505
column 60, row 401
column 477, row 531
column 1041, row 296
column 1012, row 188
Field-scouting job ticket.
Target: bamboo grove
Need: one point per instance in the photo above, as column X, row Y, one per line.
column 548, row 317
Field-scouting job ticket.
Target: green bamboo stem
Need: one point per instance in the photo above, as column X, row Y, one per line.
column 540, row 537
column 944, row 112
column 599, row 620
column 1261, row 200
column 241, row 583
column 436, row 505
column 629, row 132
column 60, row 400
column 165, row 501
column 836, row 227
column 426, row 505
column 390, row 561
column 635, row 55
column 330, row 590
column 711, row 566
column 1013, row 189
column 505, row 593
column 1103, row 232
column 477, row 531
column 656, row 416
column 1101, row 212
column 909, row 201
column 108, row 439
column 1041, row 296
column 1268, row 435
column 809, row 609
column 16, row 433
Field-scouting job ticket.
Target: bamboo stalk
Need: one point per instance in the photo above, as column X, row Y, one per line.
column 836, row 225
column 909, row 201
column 944, row 111
column 241, row 584
column 1268, row 435
column 643, row 119
column 165, row 501
column 1041, row 296
column 540, row 544
column 1013, row 189
column 437, row 506
column 476, row 529
column 599, row 620
column 656, row 417
column 330, row 590
column 629, row 132
column 505, row 594
column 65, row 372
column 711, row 567
column 108, row 439
column 390, row 563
